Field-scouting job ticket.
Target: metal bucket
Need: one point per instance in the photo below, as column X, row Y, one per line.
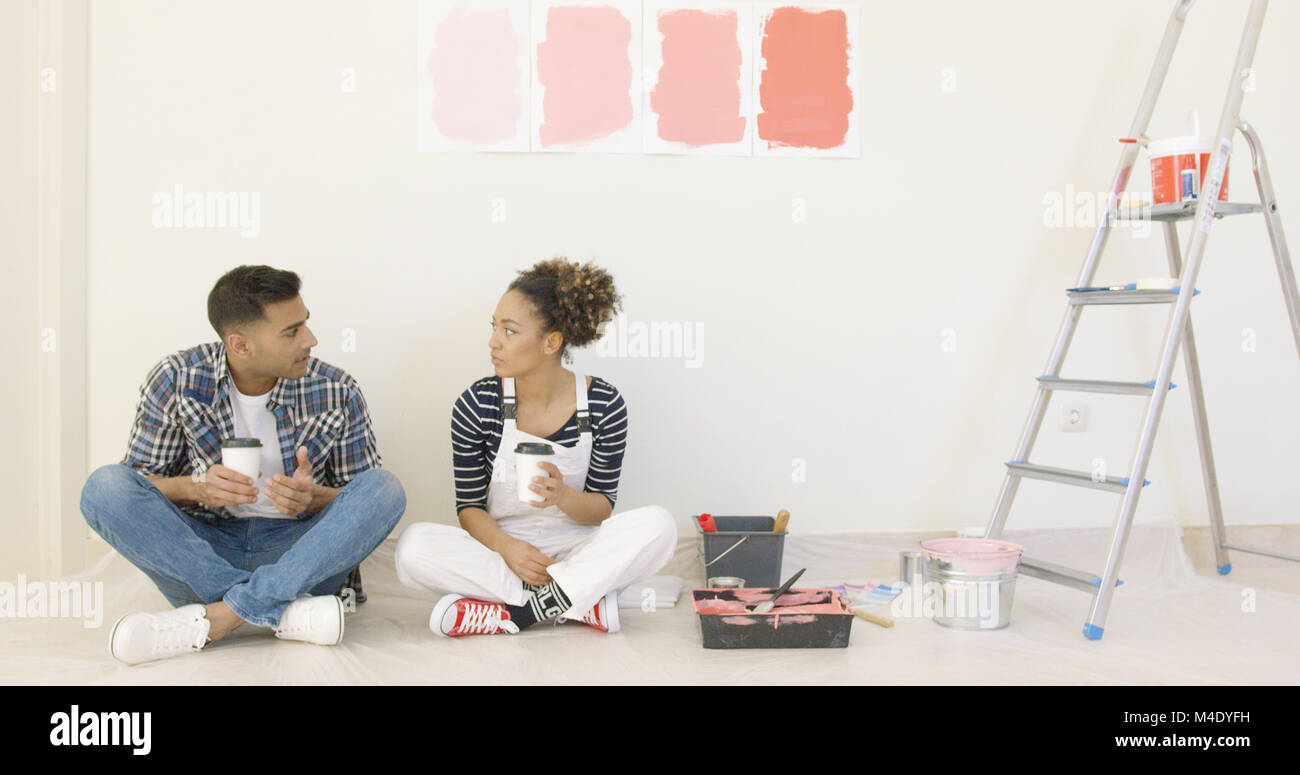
column 965, row 601
column 973, row 581
column 744, row 547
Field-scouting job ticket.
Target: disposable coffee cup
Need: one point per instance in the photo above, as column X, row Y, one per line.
column 243, row 456
column 529, row 457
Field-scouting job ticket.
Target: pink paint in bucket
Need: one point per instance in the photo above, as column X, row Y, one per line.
column 1173, row 156
column 974, row 556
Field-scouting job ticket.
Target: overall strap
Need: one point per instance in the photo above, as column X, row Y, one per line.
column 509, row 404
column 583, row 414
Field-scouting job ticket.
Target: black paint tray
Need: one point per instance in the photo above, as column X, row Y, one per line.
column 801, row 619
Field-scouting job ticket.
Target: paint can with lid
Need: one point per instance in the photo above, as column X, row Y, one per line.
column 1178, row 166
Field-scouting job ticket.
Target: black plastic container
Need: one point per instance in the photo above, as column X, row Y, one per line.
column 757, row 560
column 776, row 629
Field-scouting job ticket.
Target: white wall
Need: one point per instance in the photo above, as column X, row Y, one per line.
column 19, row 347
column 822, row 339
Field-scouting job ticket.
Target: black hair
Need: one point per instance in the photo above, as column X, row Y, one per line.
column 241, row 294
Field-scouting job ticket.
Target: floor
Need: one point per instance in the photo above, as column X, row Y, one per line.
column 1175, row 621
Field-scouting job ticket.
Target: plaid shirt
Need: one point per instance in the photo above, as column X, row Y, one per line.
column 185, row 412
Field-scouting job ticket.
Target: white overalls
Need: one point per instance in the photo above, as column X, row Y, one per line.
column 590, row 560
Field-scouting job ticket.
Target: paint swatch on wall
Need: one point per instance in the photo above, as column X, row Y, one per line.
column 473, row 85
column 699, row 79
column 806, row 81
column 587, row 76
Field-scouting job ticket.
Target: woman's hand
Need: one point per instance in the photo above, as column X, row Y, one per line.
column 526, row 561
column 585, row 508
column 550, row 488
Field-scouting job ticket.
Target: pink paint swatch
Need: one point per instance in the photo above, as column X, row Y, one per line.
column 804, row 92
column 586, row 71
column 476, row 76
column 697, row 98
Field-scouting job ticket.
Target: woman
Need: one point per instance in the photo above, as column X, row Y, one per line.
column 511, row 563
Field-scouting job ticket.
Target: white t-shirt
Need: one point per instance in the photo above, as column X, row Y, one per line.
column 254, row 421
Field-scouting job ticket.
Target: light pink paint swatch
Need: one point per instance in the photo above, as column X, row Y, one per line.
column 697, row 97
column 586, row 72
column 476, row 76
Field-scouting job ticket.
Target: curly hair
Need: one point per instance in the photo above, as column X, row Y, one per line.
column 574, row 299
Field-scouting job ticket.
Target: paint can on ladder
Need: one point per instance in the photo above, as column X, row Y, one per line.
column 1178, row 166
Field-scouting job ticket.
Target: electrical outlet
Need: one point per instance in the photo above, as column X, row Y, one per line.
column 1074, row 417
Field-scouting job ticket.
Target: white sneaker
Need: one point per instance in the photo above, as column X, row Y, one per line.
column 144, row 637
column 315, row 619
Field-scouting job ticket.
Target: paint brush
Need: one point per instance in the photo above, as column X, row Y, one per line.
column 767, row 604
column 883, row 621
column 1092, row 288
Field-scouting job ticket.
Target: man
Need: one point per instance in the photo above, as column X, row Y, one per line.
column 221, row 547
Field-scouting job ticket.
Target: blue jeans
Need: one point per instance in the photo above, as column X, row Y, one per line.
column 257, row 566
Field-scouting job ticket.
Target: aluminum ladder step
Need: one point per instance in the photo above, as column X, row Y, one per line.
column 1066, row 476
column 1047, row 382
column 1184, row 211
column 1125, row 296
column 1059, row 574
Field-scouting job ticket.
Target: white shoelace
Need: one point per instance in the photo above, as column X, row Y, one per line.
column 484, row 619
column 173, row 635
column 293, row 621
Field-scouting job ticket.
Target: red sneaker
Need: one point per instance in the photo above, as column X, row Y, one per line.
column 604, row 615
column 456, row 615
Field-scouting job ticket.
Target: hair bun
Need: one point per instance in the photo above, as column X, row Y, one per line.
column 572, row 298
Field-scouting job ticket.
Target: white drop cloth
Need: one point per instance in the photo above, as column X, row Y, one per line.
column 1170, row 623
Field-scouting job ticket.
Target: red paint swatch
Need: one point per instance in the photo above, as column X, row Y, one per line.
column 804, row 92
column 697, row 98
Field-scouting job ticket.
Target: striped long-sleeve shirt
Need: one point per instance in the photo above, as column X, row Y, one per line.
column 476, row 434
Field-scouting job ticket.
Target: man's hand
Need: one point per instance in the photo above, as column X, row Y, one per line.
column 526, row 561
column 292, row 494
column 220, row 486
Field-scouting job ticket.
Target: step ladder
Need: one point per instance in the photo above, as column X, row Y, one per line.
column 1201, row 214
